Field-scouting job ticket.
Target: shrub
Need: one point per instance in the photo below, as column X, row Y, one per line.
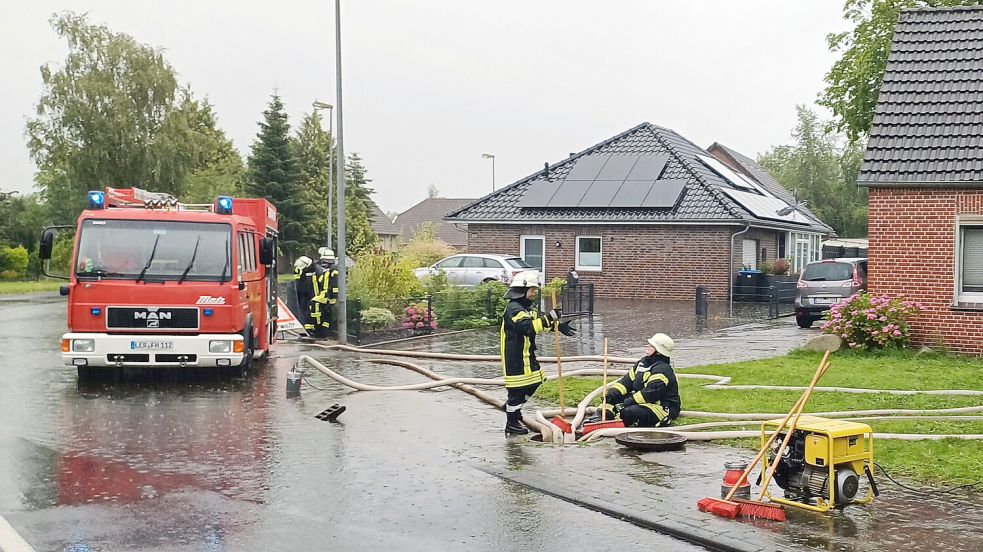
column 377, row 317
column 380, row 280
column 424, row 252
column 13, row 262
column 867, row 322
column 555, row 284
column 780, row 267
column 436, row 283
column 417, row 318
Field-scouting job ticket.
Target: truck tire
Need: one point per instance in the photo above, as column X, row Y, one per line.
column 246, row 365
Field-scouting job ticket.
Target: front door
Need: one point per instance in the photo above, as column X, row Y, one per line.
column 532, row 249
column 749, row 257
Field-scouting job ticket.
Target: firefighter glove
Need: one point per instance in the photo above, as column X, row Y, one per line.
column 554, row 315
column 566, row 329
column 627, row 402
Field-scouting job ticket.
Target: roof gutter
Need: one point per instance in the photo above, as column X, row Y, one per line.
column 697, row 222
column 921, row 184
column 730, row 269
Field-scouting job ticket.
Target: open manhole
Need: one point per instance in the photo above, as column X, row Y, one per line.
column 651, row 441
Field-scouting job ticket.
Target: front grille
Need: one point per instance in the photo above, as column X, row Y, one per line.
column 152, row 318
column 176, row 358
column 127, row 357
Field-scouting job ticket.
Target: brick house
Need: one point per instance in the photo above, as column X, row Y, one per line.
column 924, row 170
column 644, row 214
column 384, row 229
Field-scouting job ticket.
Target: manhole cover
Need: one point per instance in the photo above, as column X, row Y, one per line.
column 651, row 441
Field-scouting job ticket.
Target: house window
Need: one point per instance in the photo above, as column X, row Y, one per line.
column 969, row 261
column 588, row 253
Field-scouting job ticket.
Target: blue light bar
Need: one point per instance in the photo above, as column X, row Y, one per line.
column 97, row 200
column 208, row 312
column 223, row 205
column 95, row 311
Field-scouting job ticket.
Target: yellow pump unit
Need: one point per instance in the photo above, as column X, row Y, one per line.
column 823, row 463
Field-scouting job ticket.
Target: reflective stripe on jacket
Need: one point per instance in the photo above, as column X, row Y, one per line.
column 520, row 324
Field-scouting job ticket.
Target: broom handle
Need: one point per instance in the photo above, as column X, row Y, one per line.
column 768, row 443
column 604, row 384
column 788, row 435
column 559, row 365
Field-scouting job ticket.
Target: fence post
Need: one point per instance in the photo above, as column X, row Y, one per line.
column 590, row 300
column 429, row 313
column 773, row 301
column 701, row 302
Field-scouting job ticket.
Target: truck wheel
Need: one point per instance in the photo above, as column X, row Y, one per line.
column 247, row 355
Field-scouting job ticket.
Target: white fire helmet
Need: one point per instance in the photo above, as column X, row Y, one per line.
column 302, row 263
column 663, row 344
column 526, row 279
column 326, row 254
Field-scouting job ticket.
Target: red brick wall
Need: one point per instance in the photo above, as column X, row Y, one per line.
column 912, row 253
column 645, row 262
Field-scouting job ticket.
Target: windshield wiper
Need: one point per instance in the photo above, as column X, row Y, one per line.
column 225, row 267
column 150, row 260
column 191, row 262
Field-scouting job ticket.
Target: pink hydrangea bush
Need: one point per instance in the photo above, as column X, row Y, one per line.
column 871, row 322
column 416, row 318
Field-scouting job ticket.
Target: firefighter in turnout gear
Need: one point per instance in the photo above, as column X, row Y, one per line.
column 328, row 262
column 304, row 290
column 521, row 322
column 318, row 305
column 648, row 395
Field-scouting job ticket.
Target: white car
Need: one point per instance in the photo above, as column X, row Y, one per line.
column 469, row 270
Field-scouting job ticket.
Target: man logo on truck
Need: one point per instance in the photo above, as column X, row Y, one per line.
column 152, row 317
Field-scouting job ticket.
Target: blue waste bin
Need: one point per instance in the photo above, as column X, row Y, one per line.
column 747, row 285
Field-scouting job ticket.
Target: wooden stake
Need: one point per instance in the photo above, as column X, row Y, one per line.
column 604, row 385
column 559, row 364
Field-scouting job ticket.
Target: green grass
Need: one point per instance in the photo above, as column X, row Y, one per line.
column 15, row 287
column 949, row 461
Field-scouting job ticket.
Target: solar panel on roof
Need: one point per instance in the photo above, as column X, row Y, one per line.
column 648, row 167
column 765, row 207
column 600, row 193
column 617, row 167
column 587, row 167
column 539, row 193
column 664, row 194
column 754, row 184
column 569, row 193
column 631, row 193
column 725, row 172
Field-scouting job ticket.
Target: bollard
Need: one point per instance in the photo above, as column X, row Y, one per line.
column 733, row 473
column 702, row 301
column 293, row 383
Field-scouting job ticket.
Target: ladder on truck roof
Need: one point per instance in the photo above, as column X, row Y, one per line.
column 142, row 199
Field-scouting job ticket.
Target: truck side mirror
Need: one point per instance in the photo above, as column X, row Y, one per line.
column 266, row 251
column 47, row 242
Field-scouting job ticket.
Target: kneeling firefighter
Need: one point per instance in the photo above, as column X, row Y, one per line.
column 648, row 395
column 521, row 322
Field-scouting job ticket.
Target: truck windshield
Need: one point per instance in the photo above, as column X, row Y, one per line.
column 127, row 249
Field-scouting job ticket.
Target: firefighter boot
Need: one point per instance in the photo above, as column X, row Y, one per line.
column 513, row 425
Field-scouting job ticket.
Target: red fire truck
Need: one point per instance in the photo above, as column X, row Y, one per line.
column 154, row 282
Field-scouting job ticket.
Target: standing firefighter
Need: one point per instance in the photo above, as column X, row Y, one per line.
column 326, row 291
column 305, row 290
column 521, row 322
column 648, row 395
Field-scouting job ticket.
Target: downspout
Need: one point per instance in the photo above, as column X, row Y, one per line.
column 730, row 269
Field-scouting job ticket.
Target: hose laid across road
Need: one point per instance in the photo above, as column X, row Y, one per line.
column 552, row 434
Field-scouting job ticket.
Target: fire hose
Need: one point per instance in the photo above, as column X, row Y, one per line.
column 696, row 432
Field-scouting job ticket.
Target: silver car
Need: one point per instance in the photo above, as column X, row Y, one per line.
column 471, row 269
column 825, row 283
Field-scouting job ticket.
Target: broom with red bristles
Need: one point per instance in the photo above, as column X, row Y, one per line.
column 729, row 508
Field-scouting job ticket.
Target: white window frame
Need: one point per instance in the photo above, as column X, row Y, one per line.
column 581, row 268
column 522, row 247
column 957, row 295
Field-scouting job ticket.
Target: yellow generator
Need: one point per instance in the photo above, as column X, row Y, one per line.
column 823, row 462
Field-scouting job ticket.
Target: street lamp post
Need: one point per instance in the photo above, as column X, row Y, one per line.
column 492, row 157
column 342, row 317
column 330, row 108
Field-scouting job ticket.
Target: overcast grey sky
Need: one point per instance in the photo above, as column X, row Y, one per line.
column 430, row 85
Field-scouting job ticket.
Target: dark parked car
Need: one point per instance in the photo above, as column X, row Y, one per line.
column 825, row 283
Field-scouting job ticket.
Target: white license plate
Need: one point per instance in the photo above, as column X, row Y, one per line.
column 825, row 300
column 151, row 345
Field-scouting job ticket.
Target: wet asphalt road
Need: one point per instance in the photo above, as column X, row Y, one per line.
column 234, row 465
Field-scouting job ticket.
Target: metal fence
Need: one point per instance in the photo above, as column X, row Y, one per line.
column 778, row 293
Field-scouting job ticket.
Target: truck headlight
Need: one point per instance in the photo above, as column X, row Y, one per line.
column 83, row 345
column 219, row 346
